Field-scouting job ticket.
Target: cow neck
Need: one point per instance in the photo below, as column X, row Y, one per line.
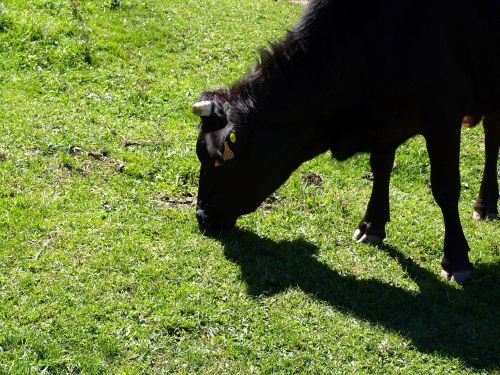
column 279, row 91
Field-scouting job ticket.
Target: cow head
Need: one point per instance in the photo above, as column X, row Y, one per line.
column 242, row 161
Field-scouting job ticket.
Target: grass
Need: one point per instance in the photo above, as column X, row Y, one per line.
column 102, row 267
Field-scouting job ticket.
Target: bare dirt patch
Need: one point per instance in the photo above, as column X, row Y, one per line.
column 312, row 178
column 177, row 202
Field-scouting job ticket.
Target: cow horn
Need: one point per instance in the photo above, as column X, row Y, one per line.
column 203, row 109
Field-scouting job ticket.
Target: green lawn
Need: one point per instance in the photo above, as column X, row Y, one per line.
column 102, row 266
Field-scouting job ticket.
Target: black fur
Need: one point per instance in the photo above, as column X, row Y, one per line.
column 354, row 77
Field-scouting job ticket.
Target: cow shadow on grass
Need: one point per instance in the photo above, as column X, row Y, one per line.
column 460, row 323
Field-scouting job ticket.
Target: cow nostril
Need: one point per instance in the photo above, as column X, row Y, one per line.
column 200, row 214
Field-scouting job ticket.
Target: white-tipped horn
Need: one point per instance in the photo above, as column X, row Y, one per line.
column 203, row 109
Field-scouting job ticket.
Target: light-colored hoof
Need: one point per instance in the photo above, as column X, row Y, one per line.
column 476, row 216
column 445, row 275
column 370, row 239
column 357, row 235
column 460, row 277
column 490, row 216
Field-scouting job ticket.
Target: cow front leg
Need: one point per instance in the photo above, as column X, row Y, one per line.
column 371, row 229
column 444, row 154
column 486, row 204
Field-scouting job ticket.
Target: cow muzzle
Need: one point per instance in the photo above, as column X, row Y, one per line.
column 212, row 223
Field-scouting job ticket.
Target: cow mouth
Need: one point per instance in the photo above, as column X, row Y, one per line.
column 213, row 224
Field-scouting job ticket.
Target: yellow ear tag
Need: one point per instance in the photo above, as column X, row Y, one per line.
column 232, row 138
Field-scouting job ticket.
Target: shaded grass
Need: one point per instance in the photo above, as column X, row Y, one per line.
column 100, row 273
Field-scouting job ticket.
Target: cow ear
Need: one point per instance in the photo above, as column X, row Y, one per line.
column 229, row 147
column 221, row 145
column 230, row 143
column 214, row 141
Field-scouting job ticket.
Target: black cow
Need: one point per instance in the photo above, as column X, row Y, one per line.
column 353, row 77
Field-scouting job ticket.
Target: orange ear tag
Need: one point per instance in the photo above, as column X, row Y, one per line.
column 228, row 155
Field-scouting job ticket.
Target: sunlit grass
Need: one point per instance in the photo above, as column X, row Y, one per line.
column 102, row 266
